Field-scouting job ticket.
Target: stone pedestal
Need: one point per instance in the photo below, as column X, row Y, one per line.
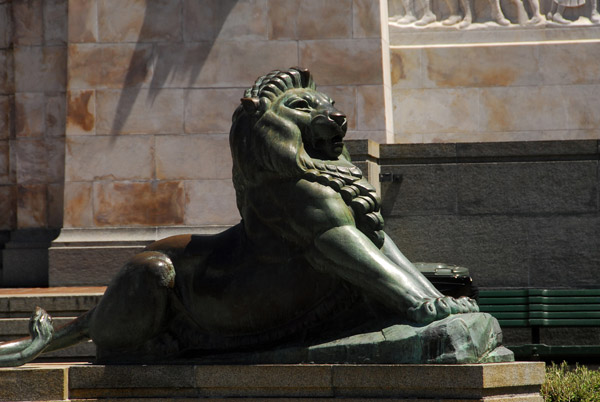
column 473, row 382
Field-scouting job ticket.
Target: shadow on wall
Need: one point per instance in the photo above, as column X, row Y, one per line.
column 165, row 65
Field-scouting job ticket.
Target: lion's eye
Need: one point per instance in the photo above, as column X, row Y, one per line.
column 300, row 104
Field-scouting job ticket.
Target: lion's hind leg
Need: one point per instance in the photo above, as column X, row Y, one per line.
column 133, row 309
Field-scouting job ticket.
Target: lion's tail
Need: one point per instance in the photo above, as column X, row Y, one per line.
column 43, row 338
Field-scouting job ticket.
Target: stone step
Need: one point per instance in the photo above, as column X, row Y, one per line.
column 497, row 382
column 58, row 301
column 63, row 303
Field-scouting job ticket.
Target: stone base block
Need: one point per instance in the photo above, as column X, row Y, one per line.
column 516, row 381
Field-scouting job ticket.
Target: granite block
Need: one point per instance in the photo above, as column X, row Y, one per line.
column 109, row 157
column 564, row 251
column 200, row 21
column 138, row 203
column 23, row 384
column 135, row 111
column 411, row 153
column 115, row 377
column 420, row 190
column 193, row 157
column 6, row 70
column 264, row 380
column 451, row 110
column 366, row 19
column 361, row 59
column 237, row 20
column 210, row 110
column 82, row 21
column 135, row 20
column 4, row 161
column 55, row 148
column 210, row 202
column 533, row 188
column 538, row 150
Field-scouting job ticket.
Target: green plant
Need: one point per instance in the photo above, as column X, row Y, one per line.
column 564, row 384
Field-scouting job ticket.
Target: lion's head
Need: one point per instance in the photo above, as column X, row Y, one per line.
column 282, row 124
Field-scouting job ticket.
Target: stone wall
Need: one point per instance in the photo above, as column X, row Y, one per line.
column 516, row 214
column 115, row 113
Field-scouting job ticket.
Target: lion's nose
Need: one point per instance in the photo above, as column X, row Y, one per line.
column 339, row 118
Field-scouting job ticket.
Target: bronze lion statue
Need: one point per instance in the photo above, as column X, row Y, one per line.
column 309, row 260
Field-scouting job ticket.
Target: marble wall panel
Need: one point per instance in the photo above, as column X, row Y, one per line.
column 366, row 19
column 524, row 108
column 570, row 63
column 202, row 156
column 200, row 22
column 8, row 201
column 370, row 107
column 40, row 68
column 31, row 160
column 91, row 158
column 419, row 111
column 582, row 106
column 109, row 65
column 30, row 114
column 210, row 202
column 139, row 20
column 78, row 205
column 55, row 22
column 135, row 111
column 360, row 58
column 480, row 66
column 28, row 25
column 81, row 112
column 32, row 206
column 83, row 21
column 210, row 110
column 138, row 203
column 406, row 67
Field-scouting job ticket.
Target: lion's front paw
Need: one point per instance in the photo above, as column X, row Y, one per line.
column 435, row 309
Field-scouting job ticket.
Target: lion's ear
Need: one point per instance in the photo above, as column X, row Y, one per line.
column 250, row 105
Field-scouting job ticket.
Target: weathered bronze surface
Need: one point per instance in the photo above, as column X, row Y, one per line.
column 308, row 264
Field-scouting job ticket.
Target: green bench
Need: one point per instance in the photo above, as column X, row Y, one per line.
column 537, row 308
